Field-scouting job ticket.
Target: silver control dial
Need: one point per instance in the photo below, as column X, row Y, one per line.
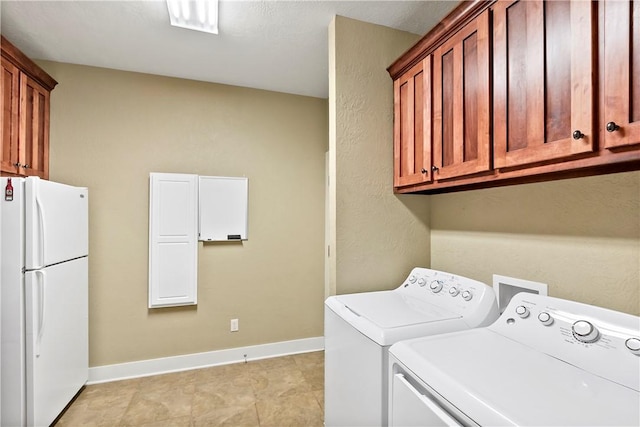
column 436, row 286
column 467, row 295
column 584, row 331
column 545, row 318
column 412, row 279
column 633, row 344
column 453, row 291
column 422, row 282
column 522, row 311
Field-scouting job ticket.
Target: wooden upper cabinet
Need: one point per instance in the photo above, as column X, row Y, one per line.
column 520, row 91
column 34, row 128
column 24, row 125
column 543, row 59
column 621, row 115
column 9, row 123
column 461, row 102
column 412, row 125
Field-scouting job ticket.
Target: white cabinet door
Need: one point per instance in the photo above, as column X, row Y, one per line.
column 173, row 240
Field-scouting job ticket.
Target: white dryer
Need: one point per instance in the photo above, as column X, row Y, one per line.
column 360, row 328
column 544, row 362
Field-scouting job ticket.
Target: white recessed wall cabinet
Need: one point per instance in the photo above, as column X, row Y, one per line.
column 173, row 240
column 185, row 208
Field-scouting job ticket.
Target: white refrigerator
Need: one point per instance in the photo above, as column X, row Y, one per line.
column 44, row 305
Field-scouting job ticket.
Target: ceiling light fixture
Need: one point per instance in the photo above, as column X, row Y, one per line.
column 199, row 15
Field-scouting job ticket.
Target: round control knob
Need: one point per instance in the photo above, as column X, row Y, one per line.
column 412, row 279
column 545, row 318
column 633, row 344
column 422, row 282
column 522, row 311
column 467, row 295
column 436, row 286
column 584, row 331
column 453, row 291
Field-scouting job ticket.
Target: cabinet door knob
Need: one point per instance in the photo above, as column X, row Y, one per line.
column 434, row 168
column 612, row 127
column 424, row 170
column 577, row 134
column 18, row 165
column 26, row 166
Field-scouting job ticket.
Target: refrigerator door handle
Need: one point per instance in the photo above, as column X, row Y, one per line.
column 40, row 284
column 41, row 233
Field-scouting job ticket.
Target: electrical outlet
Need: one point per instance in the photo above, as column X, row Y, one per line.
column 234, row 325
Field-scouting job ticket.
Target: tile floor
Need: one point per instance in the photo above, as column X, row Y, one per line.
column 283, row 391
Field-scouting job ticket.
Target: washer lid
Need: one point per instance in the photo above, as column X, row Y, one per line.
column 390, row 309
column 387, row 317
column 497, row 381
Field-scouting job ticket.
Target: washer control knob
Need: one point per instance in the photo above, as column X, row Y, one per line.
column 545, row 318
column 436, row 286
column 412, row 279
column 633, row 344
column 584, row 331
column 453, row 291
column 422, row 282
column 467, row 295
column 522, row 311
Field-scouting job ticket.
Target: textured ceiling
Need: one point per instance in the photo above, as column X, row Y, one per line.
column 274, row 45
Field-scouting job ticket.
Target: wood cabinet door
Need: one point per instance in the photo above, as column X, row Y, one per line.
column 461, row 103
column 412, row 126
column 543, row 81
column 621, row 115
column 34, row 128
column 9, row 123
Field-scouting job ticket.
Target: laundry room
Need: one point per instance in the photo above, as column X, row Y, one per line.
column 325, row 216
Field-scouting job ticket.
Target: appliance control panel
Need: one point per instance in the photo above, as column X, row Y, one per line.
column 598, row 340
column 473, row 300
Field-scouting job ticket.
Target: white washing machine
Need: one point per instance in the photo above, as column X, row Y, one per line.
column 359, row 328
column 544, row 362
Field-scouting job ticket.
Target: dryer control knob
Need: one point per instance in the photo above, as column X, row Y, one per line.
column 545, row 318
column 453, row 291
column 584, row 331
column 422, row 282
column 436, row 286
column 522, row 311
column 412, row 279
column 467, row 295
column 633, row 344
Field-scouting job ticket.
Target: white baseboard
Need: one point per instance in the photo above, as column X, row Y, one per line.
column 145, row 368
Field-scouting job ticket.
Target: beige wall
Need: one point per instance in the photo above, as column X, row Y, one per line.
column 110, row 129
column 376, row 236
column 580, row 236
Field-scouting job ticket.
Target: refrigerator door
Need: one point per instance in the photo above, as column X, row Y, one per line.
column 57, row 222
column 12, row 387
column 57, row 342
